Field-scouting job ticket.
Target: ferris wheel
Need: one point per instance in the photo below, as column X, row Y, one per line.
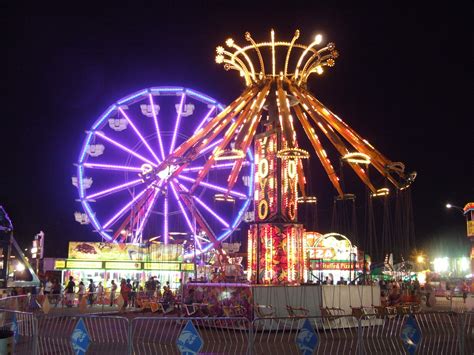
column 134, row 187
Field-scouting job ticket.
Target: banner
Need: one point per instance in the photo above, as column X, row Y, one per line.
column 124, row 252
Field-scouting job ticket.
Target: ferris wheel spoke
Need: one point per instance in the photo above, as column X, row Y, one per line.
column 113, row 167
column 114, row 189
column 213, row 167
column 139, row 135
column 177, row 186
column 214, row 187
column 148, row 211
column 166, row 219
column 210, row 147
column 157, row 127
column 181, row 207
column 206, row 207
column 204, row 120
column 124, row 148
column 178, row 120
column 120, row 213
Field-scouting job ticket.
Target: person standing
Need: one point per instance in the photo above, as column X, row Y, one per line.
column 124, row 291
column 465, row 291
column 100, row 293
column 91, row 290
column 47, row 287
column 113, row 289
column 70, row 289
column 81, row 292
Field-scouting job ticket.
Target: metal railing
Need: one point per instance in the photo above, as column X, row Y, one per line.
column 440, row 333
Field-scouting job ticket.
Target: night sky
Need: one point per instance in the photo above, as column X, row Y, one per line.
column 403, row 81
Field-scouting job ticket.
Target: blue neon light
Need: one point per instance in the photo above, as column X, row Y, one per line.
column 103, row 117
column 133, row 96
column 198, row 95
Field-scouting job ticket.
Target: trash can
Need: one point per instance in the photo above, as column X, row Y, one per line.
column 6, row 342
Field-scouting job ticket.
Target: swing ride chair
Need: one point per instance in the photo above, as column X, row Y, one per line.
column 264, row 310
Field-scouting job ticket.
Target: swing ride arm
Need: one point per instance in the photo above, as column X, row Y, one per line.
column 333, row 138
column 319, row 150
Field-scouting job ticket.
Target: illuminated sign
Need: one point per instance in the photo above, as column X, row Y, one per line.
column 470, row 228
column 156, row 252
column 162, row 266
column 60, row 264
column 275, row 252
column 266, row 189
column 329, row 247
column 122, row 266
column 336, row 266
column 74, row 264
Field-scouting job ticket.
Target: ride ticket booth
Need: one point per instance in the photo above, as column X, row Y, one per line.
column 331, row 255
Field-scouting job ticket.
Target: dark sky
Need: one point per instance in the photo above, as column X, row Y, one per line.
column 403, row 81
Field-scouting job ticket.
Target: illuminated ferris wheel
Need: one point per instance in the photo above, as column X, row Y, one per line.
column 133, row 186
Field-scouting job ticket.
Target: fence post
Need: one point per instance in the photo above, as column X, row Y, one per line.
column 35, row 335
column 360, row 344
column 250, row 339
column 130, row 336
column 461, row 332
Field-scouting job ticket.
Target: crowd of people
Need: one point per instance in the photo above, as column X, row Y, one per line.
column 132, row 292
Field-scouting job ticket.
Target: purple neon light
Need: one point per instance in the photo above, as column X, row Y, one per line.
column 112, row 167
column 178, row 119
column 217, row 166
column 214, row 187
column 206, row 207
column 148, row 211
column 205, row 119
column 127, row 206
column 100, row 134
column 165, row 224
column 190, row 225
column 139, row 134
column 114, row 189
column 158, row 134
column 210, row 146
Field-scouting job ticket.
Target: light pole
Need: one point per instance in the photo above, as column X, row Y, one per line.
column 449, row 206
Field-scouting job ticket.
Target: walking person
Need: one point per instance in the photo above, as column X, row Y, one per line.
column 113, row 289
column 70, row 289
column 91, row 290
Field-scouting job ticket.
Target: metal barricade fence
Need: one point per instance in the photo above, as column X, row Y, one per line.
column 466, row 331
column 108, row 334
column 439, row 333
column 159, row 335
column 277, row 335
column 25, row 338
column 20, row 303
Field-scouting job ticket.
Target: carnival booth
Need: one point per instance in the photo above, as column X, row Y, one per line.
column 111, row 261
column 332, row 257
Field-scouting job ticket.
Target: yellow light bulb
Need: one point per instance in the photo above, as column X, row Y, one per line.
column 229, row 42
column 319, row 69
column 318, row 39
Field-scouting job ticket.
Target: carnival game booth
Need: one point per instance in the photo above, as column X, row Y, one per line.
column 104, row 262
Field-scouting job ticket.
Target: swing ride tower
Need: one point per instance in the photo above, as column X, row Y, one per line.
column 274, row 110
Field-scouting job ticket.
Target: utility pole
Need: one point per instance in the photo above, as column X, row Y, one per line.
column 37, row 249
